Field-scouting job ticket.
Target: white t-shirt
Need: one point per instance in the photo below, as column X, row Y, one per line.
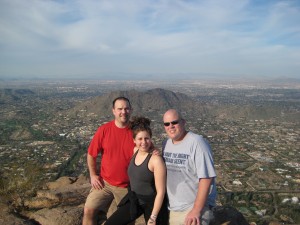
column 186, row 162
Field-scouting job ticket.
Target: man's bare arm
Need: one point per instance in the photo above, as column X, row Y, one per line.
column 96, row 180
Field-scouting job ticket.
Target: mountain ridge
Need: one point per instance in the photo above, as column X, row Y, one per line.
column 157, row 99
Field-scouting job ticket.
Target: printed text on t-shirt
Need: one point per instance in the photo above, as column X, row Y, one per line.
column 175, row 158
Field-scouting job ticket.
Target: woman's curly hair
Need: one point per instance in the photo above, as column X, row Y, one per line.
column 138, row 124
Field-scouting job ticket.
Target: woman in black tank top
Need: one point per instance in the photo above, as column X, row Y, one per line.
column 147, row 175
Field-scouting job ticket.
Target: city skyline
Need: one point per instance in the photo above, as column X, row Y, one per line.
column 149, row 39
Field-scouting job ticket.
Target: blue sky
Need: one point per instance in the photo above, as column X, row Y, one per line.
column 144, row 38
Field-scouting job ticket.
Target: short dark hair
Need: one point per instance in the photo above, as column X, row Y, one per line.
column 121, row 98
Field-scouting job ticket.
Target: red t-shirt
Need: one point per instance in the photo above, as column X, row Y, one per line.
column 116, row 145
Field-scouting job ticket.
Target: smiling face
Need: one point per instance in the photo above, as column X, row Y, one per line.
column 122, row 112
column 176, row 130
column 142, row 141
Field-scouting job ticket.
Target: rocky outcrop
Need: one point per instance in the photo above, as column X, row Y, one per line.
column 67, row 215
column 62, row 202
column 228, row 215
column 64, row 191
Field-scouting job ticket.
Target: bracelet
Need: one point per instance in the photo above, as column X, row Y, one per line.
column 153, row 216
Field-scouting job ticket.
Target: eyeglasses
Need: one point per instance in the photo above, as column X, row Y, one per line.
column 173, row 123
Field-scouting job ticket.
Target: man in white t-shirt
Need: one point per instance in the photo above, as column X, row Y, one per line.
column 191, row 175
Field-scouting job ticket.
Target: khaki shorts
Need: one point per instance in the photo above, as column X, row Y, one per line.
column 177, row 218
column 101, row 199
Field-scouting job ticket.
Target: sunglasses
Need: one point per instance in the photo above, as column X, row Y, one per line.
column 173, row 123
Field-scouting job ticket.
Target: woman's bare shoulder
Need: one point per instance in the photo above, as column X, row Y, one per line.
column 157, row 159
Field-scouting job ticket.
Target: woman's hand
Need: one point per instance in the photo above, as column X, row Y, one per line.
column 151, row 221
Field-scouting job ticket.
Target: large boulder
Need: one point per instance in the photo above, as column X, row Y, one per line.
column 63, row 192
column 62, row 202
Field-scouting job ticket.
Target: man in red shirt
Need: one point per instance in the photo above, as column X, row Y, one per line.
column 114, row 141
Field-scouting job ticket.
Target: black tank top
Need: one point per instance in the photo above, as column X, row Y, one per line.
column 141, row 178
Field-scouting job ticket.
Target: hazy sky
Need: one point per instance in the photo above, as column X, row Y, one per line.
column 104, row 38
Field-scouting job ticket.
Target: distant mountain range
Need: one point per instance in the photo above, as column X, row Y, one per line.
column 155, row 100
